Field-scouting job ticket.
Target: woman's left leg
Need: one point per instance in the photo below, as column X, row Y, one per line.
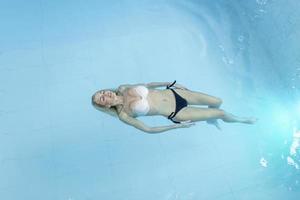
column 204, row 114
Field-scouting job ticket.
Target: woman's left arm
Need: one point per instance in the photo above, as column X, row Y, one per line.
column 143, row 127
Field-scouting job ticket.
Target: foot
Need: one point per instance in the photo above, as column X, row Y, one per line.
column 214, row 122
column 218, row 106
column 251, row 120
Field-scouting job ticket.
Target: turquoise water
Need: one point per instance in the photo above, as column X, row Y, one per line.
column 55, row 54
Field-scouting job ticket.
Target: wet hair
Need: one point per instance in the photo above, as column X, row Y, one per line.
column 111, row 111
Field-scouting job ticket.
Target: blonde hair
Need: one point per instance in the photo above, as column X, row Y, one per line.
column 112, row 110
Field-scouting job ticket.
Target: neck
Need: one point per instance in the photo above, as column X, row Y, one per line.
column 119, row 100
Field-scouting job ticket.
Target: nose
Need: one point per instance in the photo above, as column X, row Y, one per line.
column 110, row 94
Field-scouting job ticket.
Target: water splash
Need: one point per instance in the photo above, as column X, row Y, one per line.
column 262, row 2
column 263, row 162
column 291, row 161
column 295, row 144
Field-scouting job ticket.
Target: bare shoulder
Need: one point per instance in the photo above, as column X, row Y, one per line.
column 124, row 111
column 124, row 87
column 124, row 116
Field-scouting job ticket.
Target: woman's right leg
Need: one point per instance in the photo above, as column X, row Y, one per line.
column 231, row 118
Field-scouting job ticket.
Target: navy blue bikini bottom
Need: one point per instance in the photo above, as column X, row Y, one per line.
column 180, row 103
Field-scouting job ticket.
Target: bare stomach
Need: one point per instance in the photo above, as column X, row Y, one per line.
column 161, row 102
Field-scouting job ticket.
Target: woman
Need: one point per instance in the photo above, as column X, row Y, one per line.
column 131, row 101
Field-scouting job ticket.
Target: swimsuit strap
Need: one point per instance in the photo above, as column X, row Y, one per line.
column 173, row 114
column 170, row 117
column 169, row 86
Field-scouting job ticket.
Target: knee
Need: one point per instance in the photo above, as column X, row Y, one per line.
column 218, row 102
column 222, row 113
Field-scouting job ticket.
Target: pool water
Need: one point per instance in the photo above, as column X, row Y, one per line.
column 55, row 54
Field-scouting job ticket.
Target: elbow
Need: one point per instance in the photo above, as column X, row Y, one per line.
column 149, row 130
column 148, row 85
column 144, row 129
column 153, row 130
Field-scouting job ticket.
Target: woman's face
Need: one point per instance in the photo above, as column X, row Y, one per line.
column 105, row 98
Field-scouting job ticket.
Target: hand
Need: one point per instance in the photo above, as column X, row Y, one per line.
column 185, row 124
column 214, row 122
column 178, row 86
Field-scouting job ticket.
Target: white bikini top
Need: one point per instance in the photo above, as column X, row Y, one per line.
column 141, row 107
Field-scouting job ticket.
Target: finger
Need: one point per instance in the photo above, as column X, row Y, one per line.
column 189, row 124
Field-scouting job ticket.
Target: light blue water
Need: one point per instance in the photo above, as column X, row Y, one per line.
column 55, row 54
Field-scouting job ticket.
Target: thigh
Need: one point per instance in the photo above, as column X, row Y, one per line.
column 198, row 114
column 198, row 98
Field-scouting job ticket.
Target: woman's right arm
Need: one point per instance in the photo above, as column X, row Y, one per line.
column 151, row 85
column 141, row 126
column 165, row 84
